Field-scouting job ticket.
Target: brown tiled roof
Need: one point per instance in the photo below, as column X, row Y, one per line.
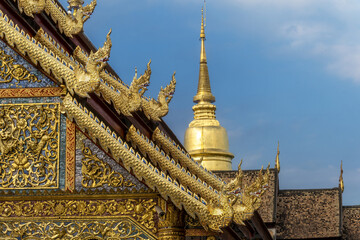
column 351, row 223
column 303, row 214
column 268, row 200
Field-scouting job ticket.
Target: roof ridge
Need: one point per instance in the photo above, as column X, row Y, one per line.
column 185, row 159
column 158, row 156
column 307, row 190
column 142, row 169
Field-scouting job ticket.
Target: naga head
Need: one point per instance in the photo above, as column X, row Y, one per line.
column 80, row 11
column 141, row 83
column 221, row 213
column 88, row 80
column 101, row 56
column 250, row 198
column 168, row 92
column 261, row 183
column 234, row 186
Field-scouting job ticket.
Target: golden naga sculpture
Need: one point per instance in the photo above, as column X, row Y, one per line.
column 126, row 100
column 176, row 171
column 248, row 198
column 77, row 80
column 88, row 79
column 216, row 214
column 155, row 109
column 177, row 153
column 29, row 7
column 74, row 22
column 237, row 202
column 80, row 56
column 131, row 98
column 70, row 23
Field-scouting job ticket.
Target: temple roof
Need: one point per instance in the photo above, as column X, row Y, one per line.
column 119, row 118
column 309, row 214
column 351, row 222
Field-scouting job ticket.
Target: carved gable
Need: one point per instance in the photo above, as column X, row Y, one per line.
column 16, row 72
column 96, row 170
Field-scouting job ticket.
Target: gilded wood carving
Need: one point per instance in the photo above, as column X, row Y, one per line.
column 70, row 23
column 30, row 92
column 70, row 156
column 155, row 109
column 10, row 71
column 29, row 145
column 96, row 172
column 74, row 230
column 141, row 210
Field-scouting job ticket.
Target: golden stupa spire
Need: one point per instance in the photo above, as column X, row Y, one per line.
column 341, row 180
column 205, row 139
column 277, row 161
column 204, row 89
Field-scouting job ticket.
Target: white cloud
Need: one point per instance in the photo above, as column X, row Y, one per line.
column 304, row 34
column 328, row 31
column 345, row 61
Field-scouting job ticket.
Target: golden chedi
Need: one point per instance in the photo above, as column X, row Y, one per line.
column 205, row 140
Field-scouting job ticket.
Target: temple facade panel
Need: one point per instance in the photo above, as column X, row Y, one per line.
column 32, row 144
column 17, row 72
column 75, row 229
column 76, row 217
column 95, row 170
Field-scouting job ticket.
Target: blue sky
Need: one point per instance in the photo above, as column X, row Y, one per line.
column 280, row 70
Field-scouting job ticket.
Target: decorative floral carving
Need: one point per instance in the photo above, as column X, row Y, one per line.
column 10, row 71
column 96, row 173
column 29, row 145
column 141, row 210
column 75, row 229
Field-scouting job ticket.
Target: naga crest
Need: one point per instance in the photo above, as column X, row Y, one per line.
column 141, row 83
column 88, row 79
column 238, row 201
column 137, row 89
column 77, row 16
column 168, row 91
column 248, row 199
column 102, row 55
column 157, row 109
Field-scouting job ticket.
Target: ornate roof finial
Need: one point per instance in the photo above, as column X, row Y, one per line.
column 277, row 161
column 204, row 89
column 341, row 180
column 203, row 24
column 135, row 76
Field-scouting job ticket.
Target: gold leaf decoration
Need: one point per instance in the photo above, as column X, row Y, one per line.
column 10, row 71
column 97, row 173
column 141, row 210
column 29, row 145
column 74, row 229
